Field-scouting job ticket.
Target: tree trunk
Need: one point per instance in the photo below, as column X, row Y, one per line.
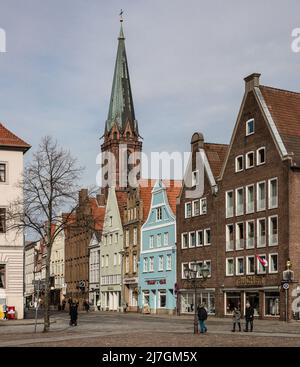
column 47, row 292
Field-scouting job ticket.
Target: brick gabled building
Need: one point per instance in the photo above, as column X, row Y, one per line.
column 135, row 214
column 196, row 220
column 259, row 202
column 87, row 219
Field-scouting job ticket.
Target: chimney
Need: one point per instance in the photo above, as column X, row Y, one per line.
column 83, row 195
column 197, row 141
column 100, row 199
column 251, row 81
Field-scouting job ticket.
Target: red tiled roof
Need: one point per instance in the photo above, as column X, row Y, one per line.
column 216, row 155
column 8, row 139
column 122, row 201
column 173, row 191
column 146, row 186
column 284, row 107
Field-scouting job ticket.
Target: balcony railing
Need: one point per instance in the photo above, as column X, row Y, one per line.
column 273, row 239
column 250, row 242
column 229, row 245
column 261, row 241
column 240, row 243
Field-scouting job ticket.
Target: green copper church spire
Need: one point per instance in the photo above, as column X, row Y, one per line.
column 121, row 107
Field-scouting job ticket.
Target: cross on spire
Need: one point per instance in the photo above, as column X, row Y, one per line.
column 121, row 15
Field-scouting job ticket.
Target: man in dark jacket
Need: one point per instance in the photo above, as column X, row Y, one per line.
column 249, row 316
column 202, row 316
column 73, row 313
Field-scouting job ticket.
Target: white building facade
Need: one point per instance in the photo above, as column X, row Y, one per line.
column 12, row 150
column 94, row 271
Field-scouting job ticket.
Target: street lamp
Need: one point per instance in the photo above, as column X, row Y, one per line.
column 287, row 277
column 191, row 275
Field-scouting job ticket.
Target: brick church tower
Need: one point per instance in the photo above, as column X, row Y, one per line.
column 121, row 134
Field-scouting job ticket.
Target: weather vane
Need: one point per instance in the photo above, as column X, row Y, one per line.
column 121, row 15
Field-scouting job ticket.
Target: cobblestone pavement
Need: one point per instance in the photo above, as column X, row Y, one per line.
column 116, row 329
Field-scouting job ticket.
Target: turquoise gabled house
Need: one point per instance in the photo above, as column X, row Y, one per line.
column 157, row 266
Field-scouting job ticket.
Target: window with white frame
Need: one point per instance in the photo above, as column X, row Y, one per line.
column 239, row 197
column 106, row 260
column 158, row 240
column 192, row 239
column 195, row 178
column 250, row 127
column 273, row 193
column 119, row 259
column 134, row 236
column 127, row 238
column 196, row 208
column 134, row 263
column 105, row 240
column 145, row 265
column 261, row 196
column 229, row 237
column 239, row 266
column 239, row 163
column 250, row 234
column 116, row 237
column 229, row 204
column 261, row 232
column 207, row 237
column 261, row 269
column 127, row 264
column 184, row 266
column 250, row 265
column 188, row 210
column 166, row 238
column 249, row 160
column 250, row 199
column 110, row 221
column 208, row 264
column 159, row 214
column 261, row 156
column 199, row 238
column 184, row 240
column 115, row 259
column 110, row 239
column 273, row 263
column 3, row 172
column 151, row 264
column 203, row 206
column 169, row 262
column 102, row 261
column 229, row 266
column 273, row 230
column 161, row 263
column 239, row 240
column 151, row 241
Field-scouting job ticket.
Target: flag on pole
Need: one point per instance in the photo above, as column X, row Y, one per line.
column 263, row 262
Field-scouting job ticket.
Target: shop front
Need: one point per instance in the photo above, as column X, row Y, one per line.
column 131, row 293
column 187, row 301
column 265, row 301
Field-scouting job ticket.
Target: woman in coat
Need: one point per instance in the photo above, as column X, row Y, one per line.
column 236, row 318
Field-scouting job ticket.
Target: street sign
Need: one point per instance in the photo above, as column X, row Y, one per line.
column 285, row 286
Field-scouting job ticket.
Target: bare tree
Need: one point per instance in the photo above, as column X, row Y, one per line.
column 50, row 185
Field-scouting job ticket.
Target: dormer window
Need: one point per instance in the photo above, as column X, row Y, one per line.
column 250, row 127
column 239, row 163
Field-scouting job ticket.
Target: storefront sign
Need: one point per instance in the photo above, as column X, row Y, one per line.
column 160, row 281
column 130, row 280
column 249, row 281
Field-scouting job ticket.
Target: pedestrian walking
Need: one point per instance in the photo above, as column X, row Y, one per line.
column 86, row 305
column 202, row 317
column 236, row 319
column 249, row 316
column 73, row 313
column 99, row 304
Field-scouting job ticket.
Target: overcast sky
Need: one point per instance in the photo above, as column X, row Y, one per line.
column 187, row 60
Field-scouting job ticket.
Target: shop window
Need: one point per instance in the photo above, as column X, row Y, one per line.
column 253, row 299
column 233, row 299
column 272, row 302
column 2, row 275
